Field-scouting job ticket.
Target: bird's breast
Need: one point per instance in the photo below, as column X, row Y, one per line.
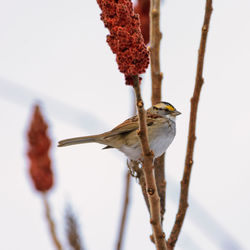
column 162, row 138
column 159, row 137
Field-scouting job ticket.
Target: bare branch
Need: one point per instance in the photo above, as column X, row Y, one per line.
column 72, row 230
column 155, row 38
column 156, row 76
column 124, row 211
column 153, row 197
column 183, row 202
column 51, row 222
column 161, row 182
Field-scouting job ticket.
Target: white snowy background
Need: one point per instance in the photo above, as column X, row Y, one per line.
column 55, row 52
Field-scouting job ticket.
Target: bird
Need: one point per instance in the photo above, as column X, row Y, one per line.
column 160, row 119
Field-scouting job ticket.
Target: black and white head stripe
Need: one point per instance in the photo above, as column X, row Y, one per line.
column 164, row 106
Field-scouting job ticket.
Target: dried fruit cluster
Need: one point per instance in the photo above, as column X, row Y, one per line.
column 38, row 152
column 125, row 39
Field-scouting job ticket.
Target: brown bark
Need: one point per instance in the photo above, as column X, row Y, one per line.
column 156, row 76
column 183, row 202
column 155, row 38
column 161, row 182
column 51, row 222
column 124, row 211
column 151, row 188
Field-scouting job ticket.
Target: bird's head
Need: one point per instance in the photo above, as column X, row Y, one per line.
column 165, row 109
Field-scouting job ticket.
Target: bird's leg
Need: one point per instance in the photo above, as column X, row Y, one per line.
column 134, row 168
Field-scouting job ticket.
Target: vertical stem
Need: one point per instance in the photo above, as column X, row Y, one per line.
column 51, row 222
column 155, row 38
column 161, row 182
column 72, row 230
column 124, row 211
column 183, row 202
column 148, row 169
column 156, row 76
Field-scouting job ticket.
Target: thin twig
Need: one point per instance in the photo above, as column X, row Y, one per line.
column 153, row 196
column 137, row 172
column 155, row 38
column 156, row 76
column 161, row 182
column 183, row 202
column 51, row 222
column 124, row 211
column 72, row 230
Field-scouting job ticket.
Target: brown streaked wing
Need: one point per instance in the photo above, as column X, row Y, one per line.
column 131, row 124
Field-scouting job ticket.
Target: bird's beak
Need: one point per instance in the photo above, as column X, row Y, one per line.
column 175, row 113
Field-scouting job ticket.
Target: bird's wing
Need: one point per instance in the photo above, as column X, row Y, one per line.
column 130, row 125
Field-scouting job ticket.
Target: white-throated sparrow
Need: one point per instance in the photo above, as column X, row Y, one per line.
column 161, row 132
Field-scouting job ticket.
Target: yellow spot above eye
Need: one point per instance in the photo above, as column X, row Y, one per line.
column 170, row 108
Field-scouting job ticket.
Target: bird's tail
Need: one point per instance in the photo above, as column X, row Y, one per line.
column 78, row 140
